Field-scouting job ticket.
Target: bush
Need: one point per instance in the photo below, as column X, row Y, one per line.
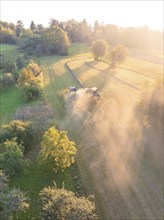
column 63, row 204
column 12, row 159
column 7, row 80
column 11, row 201
column 32, row 92
column 11, row 67
column 22, row 130
column 21, row 62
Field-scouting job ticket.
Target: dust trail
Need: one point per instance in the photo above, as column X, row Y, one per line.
column 110, row 136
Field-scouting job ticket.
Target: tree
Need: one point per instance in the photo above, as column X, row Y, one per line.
column 19, row 28
column 99, row 48
column 7, row 35
column 55, row 41
column 11, row 201
column 53, row 22
column 24, row 132
column 58, row 204
column 32, row 26
column 118, row 54
column 56, row 145
column 12, row 159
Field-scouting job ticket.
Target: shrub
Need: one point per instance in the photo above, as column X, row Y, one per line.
column 12, row 159
column 24, row 132
column 7, row 80
column 32, row 92
column 11, row 201
column 63, row 204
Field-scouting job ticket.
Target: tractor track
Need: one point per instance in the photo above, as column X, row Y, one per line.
column 141, row 207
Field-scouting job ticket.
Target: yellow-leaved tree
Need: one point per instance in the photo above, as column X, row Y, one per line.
column 56, row 145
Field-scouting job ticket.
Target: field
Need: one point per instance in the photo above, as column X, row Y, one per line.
column 113, row 165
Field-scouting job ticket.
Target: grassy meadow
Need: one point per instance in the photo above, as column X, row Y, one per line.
column 103, row 163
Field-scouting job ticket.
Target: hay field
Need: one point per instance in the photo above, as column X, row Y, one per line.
column 113, row 160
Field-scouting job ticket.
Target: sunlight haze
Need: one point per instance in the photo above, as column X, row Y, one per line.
column 121, row 13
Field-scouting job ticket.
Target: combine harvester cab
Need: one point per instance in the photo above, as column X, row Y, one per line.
column 95, row 95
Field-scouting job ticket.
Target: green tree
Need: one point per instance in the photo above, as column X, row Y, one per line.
column 59, row 204
column 99, row 49
column 56, row 145
column 118, row 54
column 19, row 28
column 24, row 132
column 11, row 201
column 32, row 26
column 12, row 159
column 55, row 41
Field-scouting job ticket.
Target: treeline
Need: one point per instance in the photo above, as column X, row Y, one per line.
column 55, row 38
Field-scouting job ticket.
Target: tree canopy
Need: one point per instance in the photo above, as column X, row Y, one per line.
column 118, row 54
column 62, row 204
column 56, row 145
column 11, row 200
column 99, row 48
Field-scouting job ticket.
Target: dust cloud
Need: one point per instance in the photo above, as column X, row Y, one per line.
column 111, row 126
column 113, row 143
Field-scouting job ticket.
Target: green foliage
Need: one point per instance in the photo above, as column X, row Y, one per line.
column 21, row 62
column 2, row 61
column 12, row 158
column 77, row 31
column 22, row 130
column 7, row 35
column 29, row 82
column 19, row 28
column 62, row 204
column 118, row 54
column 32, row 92
column 7, row 79
column 34, row 67
column 27, row 78
column 11, row 67
column 56, row 145
column 99, row 49
column 32, row 26
column 11, row 201
column 55, row 41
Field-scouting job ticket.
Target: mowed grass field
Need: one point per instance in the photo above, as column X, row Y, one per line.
column 131, row 190
column 111, row 163
column 112, row 167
